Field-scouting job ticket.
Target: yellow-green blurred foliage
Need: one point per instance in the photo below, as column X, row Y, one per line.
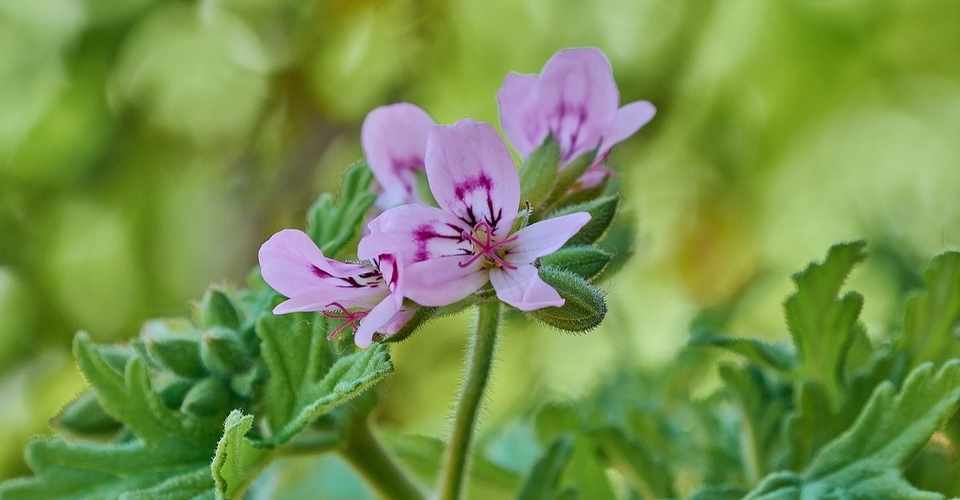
column 147, row 147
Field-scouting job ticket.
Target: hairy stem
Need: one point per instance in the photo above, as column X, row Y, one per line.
column 479, row 361
column 365, row 453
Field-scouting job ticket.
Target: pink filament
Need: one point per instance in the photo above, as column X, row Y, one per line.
column 350, row 319
column 487, row 248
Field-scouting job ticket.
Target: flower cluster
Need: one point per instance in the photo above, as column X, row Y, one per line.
column 438, row 248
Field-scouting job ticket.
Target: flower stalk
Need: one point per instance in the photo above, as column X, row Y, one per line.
column 479, row 362
column 371, row 460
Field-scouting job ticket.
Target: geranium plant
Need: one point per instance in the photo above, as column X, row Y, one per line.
column 439, row 219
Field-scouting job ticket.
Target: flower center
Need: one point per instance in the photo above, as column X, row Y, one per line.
column 486, row 247
column 349, row 319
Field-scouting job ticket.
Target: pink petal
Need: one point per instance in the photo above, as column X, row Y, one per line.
column 593, row 177
column 291, row 263
column 522, row 288
column 472, row 175
column 375, row 319
column 441, row 281
column 515, row 98
column 578, row 98
column 398, row 321
column 545, row 237
column 628, row 121
column 414, row 233
column 394, row 141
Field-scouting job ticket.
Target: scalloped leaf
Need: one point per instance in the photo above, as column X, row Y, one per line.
column 306, row 380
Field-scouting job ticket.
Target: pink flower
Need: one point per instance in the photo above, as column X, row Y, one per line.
column 456, row 249
column 394, row 141
column 366, row 296
column 574, row 99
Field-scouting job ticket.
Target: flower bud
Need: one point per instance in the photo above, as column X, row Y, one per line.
column 223, row 352
column 584, row 260
column 216, row 309
column 171, row 388
column 206, row 397
column 84, row 415
column 173, row 344
column 584, row 306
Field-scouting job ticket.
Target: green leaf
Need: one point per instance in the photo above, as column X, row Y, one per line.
column 601, row 210
column 539, row 172
column 333, row 224
column 129, row 397
column 760, row 352
column 584, row 260
column 168, row 457
column 237, row 460
column 933, row 316
column 584, row 308
column 821, row 324
column 305, row 381
column 762, row 405
column 647, row 474
column 585, row 472
column 867, row 460
column 719, row 492
column 543, row 482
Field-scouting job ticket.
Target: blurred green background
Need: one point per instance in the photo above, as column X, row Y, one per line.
column 147, row 147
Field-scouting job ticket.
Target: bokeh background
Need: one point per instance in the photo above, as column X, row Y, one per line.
column 147, row 147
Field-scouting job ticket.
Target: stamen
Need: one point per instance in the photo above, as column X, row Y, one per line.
column 349, row 319
column 487, row 248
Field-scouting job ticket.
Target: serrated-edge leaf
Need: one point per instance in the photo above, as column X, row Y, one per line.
column 821, row 324
column 346, row 379
column 758, row 351
column 650, row 476
column 237, row 461
column 932, row 315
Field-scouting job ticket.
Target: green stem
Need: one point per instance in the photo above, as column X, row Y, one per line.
column 365, row 453
column 479, row 361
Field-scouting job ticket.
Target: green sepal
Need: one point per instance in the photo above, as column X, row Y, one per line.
column 207, row 397
column 84, row 415
column 419, row 318
column 223, row 352
column 216, row 308
column 601, row 210
column 543, row 482
column 584, row 260
column 175, row 345
column 538, row 174
column 333, row 224
column 567, row 176
column 584, row 306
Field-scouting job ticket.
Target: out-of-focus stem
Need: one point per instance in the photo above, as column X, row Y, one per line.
column 365, row 453
column 479, row 361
